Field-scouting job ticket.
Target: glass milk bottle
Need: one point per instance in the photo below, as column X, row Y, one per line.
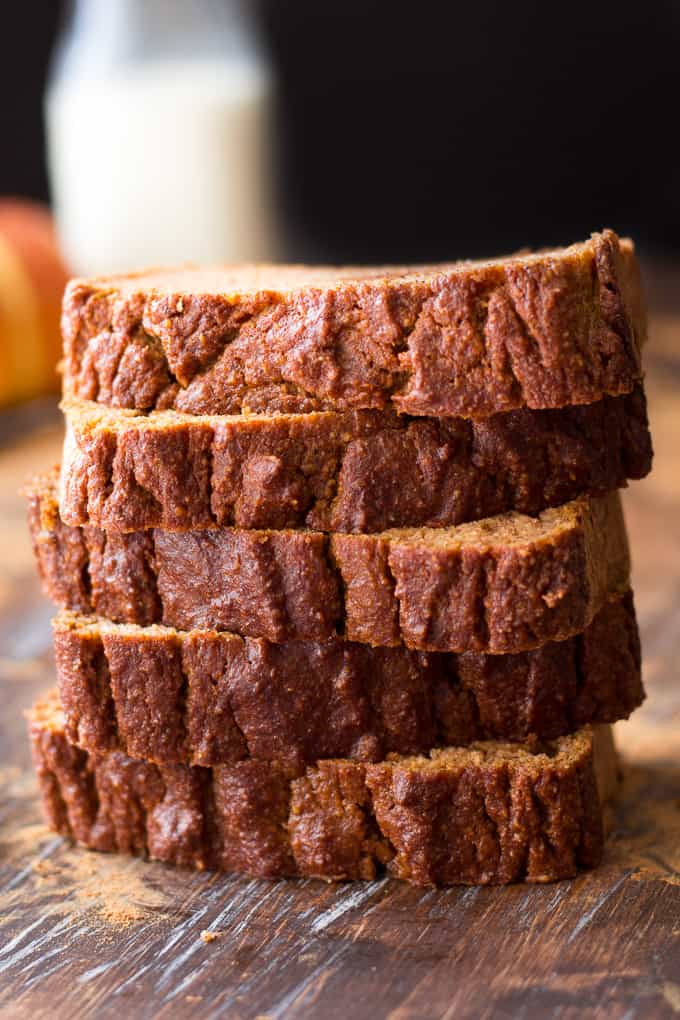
column 159, row 135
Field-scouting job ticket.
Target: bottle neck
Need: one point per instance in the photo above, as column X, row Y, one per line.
column 101, row 34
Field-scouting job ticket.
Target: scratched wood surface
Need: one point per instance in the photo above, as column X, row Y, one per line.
column 94, row 936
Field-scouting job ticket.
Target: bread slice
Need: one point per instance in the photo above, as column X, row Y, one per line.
column 209, row 698
column 488, row 814
column 504, row 584
column 471, row 338
column 278, row 585
column 356, row 471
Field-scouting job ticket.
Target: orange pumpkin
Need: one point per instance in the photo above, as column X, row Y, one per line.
column 32, row 281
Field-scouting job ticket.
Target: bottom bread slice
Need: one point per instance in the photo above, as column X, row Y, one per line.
column 491, row 813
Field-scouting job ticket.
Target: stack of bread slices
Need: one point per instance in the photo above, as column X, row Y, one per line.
column 341, row 565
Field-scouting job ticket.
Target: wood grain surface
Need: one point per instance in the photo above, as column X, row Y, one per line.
column 88, row 935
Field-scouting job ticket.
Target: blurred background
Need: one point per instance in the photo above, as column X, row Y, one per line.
column 335, row 131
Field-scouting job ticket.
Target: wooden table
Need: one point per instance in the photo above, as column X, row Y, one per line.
column 88, row 935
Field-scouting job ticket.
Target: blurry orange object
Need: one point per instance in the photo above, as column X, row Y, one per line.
column 32, row 281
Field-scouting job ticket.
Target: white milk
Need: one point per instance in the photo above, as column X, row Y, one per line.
column 161, row 162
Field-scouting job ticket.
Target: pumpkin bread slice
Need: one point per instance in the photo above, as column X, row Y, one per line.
column 492, row 813
column 352, row 471
column 208, row 698
column 504, row 584
column 539, row 330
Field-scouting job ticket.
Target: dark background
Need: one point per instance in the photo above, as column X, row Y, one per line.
column 436, row 130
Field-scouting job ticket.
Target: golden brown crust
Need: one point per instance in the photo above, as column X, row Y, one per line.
column 207, row 698
column 490, row 814
column 473, row 339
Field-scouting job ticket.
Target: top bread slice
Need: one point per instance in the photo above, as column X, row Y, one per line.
column 542, row 330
